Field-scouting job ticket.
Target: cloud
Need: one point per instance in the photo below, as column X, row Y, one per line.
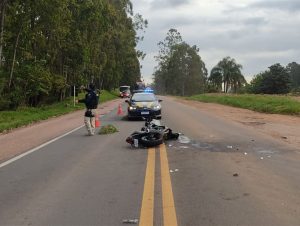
column 256, row 33
column 161, row 4
column 281, row 5
column 291, row 6
column 255, row 21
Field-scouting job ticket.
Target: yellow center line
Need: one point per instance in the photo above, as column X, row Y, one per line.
column 169, row 212
column 146, row 217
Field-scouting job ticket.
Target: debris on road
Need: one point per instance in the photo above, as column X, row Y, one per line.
column 235, row 175
column 172, row 171
column 184, row 139
column 108, row 129
column 261, row 158
column 229, row 147
column 245, row 153
column 130, row 221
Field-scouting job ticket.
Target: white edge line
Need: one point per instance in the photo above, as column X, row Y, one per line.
column 38, row 147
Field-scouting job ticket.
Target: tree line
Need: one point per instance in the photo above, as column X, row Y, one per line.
column 47, row 46
column 181, row 71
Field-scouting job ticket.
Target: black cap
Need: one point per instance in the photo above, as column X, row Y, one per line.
column 92, row 86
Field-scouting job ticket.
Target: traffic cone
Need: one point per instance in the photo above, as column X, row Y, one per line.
column 97, row 121
column 120, row 111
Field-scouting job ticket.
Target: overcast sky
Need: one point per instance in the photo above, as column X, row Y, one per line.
column 257, row 33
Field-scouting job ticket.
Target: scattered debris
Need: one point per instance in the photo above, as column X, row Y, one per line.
column 235, row 175
column 170, row 145
column 284, row 137
column 229, row 147
column 266, row 152
column 252, row 140
column 184, row 139
column 261, row 158
column 130, row 221
column 245, row 153
column 269, row 156
column 184, row 147
column 108, row 129
column 175, row 170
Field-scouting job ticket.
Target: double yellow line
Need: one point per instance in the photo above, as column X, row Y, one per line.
column 147, row 210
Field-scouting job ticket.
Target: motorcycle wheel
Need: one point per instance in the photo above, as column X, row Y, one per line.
column 151, row 139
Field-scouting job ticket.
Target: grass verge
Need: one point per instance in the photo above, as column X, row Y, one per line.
column 25, row 116
column 262, row 103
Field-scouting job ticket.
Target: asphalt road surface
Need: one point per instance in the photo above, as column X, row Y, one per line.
column 217, row 173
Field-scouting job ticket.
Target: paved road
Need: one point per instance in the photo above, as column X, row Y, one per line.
column 220, row 173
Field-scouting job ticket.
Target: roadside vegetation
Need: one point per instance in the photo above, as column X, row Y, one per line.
column 26, row 115
column 273, row 104
column 45, row 50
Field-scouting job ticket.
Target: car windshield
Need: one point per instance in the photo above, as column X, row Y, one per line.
column 143, row 97
column 124, row 88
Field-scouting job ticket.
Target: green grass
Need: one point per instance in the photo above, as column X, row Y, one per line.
column 26, row 115
column 262, row 103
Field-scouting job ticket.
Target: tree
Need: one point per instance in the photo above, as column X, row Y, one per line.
column 276, row 80
column 2, row 19
column 180, row 70
column 215, row 79
column 231, row 73
column 293, row 70
column 67, row 42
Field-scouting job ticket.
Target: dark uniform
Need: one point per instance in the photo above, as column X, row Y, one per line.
column 91, row 103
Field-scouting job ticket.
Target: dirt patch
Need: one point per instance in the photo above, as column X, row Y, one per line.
column 282, row 127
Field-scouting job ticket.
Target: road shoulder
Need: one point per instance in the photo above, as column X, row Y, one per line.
column 23, row 139
column 283, row 128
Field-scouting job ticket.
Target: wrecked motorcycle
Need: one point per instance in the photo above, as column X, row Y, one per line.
column 152, row 134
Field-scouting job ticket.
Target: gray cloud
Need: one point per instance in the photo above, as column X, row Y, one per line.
column 286, row 5
column 255, row 21
column 291, row 6
column 256, row 33
column 160, row 4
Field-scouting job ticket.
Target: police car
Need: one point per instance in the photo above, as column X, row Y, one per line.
column 144, row 104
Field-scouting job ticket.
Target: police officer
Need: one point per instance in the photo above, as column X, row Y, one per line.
column 91, row 101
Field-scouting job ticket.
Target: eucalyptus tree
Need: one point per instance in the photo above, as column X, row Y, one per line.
column 180, row 70
column 294, row 71
column 172, row 38
column 2, row 21
column 49, row 45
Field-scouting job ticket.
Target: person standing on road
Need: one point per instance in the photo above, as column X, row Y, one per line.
column 91, row 101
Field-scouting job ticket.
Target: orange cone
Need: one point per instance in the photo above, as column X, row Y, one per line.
column 97, row 121
column 120, row 111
